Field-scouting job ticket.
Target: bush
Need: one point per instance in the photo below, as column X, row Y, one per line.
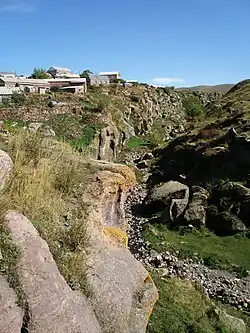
column 18, row 98
column 55, row 89
column 193, row 106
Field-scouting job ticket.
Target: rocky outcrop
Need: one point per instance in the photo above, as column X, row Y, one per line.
column 109, row 139
column 196, row 211
column 171, row 198
column 11, row 314
column 123, row 293
column 52, row 305
column 6, row 166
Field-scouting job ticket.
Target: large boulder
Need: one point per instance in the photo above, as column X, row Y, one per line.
column 11, row 318
column 226, row 224
column 230, row 323
column 53, row 306
column 196, row 211
column 171, row 198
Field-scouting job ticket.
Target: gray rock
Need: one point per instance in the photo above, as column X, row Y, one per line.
column 172, row 197
column 231, row 324
column 53, row 306
column 47, row 131
column 11, row 318
column 33, row 127
column 228, row 224
column 6, row 166
column 148, row 156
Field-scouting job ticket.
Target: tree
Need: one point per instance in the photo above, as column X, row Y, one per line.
column 85, row 73
column 193, row 106
column 39, row 73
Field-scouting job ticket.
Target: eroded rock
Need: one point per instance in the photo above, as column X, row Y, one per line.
column 11, row 317
column 53, row 306
column 171, row 198
column 6, row 166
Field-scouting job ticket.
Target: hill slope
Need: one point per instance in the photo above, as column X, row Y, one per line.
column 222, row 88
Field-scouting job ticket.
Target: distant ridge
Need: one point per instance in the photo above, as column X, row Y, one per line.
column 222, row 88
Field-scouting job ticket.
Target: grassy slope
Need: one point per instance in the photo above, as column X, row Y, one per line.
column 182, row 308
column 219, row 252
column 47, row 181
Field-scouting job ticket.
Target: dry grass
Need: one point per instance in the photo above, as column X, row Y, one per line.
column 47, row 186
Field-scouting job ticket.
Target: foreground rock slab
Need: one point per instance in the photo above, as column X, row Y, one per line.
column 53, row 306
column 11, row 314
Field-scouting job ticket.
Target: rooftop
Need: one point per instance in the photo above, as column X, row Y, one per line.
column 60, row 69
column 109, row 73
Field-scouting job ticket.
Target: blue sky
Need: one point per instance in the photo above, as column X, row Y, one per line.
column 177, row 42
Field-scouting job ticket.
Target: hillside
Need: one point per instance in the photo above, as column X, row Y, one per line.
column 108, row 195
column 220, row 88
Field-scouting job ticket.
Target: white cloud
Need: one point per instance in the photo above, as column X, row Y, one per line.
column 16, row 6
column 167, row 80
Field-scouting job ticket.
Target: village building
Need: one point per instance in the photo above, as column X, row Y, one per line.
column 7, row 74
column 25, row 85
column 96, row 80
column 113, row 76
column 74, row 82
column 6, row 93
column 59, row 72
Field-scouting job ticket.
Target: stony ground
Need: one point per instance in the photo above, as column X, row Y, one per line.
column 220, row 285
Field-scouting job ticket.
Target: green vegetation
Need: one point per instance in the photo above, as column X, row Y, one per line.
column 47, row 186
column 85, row 73
column 230, row 252
column 40, row 73
column 76, row 132
column 182, row 308
column 193, row 106
column 136, row 142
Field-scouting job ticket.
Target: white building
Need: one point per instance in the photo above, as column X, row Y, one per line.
column 112, row 75
column 7, row 74
column 60, row 72
column 24, row 84
column 7, row 92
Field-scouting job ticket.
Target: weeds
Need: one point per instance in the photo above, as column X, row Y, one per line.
column 47, row 181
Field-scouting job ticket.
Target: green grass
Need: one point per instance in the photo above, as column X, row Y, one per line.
column 217, row 252
column 182, row 308
column 136, row 142
column 48, row 185
column 74, row 130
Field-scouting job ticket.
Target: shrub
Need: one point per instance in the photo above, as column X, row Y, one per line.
column 18, row 98
column 193, row 106
column 55, row 89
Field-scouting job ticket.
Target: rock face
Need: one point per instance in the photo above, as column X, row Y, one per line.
column 108, row 143
column 11, row 315
column 6, row 166
column 171, row 197
column 196, row 211
column 227, row 224
column 123, row 293
column 53, row 306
